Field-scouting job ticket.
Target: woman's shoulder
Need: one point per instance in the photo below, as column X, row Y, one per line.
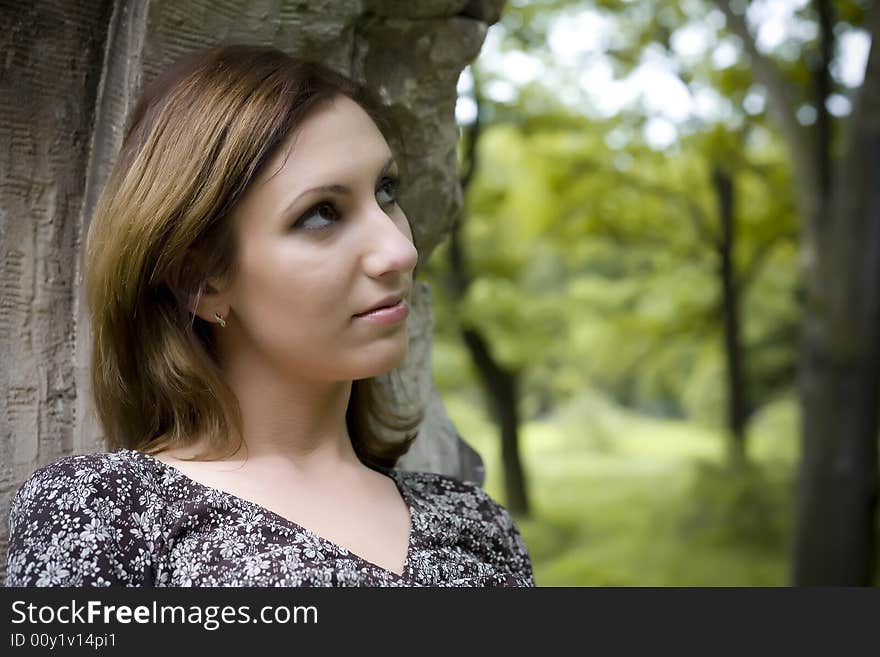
column 447, row 489
column 465, row 505
column 450, row 495
column 83, row 519
column 435, row 482
column 71, row 478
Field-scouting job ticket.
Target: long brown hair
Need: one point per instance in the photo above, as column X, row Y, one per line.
column 199, row 134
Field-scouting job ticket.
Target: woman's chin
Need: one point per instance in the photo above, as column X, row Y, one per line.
column 382, row 362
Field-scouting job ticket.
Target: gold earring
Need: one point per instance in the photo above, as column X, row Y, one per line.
column 220, row 319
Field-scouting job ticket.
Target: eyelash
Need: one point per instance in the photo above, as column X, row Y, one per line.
column 390, row 183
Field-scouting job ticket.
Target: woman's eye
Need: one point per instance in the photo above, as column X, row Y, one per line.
column 388, row 189
column 325, row 213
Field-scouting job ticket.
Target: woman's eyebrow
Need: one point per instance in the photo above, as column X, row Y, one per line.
column 337, row 189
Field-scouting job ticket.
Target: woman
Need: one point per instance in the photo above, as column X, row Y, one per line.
column 248, row 270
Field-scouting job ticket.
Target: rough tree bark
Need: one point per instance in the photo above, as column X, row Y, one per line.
column 69, row 74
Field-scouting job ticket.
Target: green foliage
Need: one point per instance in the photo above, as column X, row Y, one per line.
column 577, row 264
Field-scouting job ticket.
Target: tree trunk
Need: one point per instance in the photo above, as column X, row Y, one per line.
column 501, row 388
column 733, row 351
column 836, row 498
column 836, row 501
column 839, row 202
column 499, row 384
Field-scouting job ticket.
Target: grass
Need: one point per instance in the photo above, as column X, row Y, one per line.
column 623, row 500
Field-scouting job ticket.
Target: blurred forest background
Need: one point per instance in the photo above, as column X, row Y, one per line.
column 657, row 317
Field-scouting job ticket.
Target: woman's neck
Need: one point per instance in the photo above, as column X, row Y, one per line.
column 298, row 426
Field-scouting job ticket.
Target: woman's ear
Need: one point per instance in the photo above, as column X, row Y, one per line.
column 207, row 300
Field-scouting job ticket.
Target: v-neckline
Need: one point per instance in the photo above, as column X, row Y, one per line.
column 283, row 520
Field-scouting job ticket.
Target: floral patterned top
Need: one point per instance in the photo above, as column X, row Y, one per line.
column 126, row 518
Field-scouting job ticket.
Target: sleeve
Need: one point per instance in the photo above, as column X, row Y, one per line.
column 76, row 523
column 519, row 562
column 507, row 545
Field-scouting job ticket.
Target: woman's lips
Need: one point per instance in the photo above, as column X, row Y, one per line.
column 388, row 315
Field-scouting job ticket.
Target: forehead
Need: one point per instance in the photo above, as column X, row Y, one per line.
column 335, row 138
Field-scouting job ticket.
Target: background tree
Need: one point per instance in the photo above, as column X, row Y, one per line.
column 834, row 177
column 837, row 183
column 586, row 211
column 500, row 381
column 668, row 247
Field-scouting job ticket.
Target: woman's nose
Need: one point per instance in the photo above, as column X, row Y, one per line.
column 389, row 242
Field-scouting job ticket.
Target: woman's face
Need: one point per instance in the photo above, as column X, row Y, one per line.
column 310, row 260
